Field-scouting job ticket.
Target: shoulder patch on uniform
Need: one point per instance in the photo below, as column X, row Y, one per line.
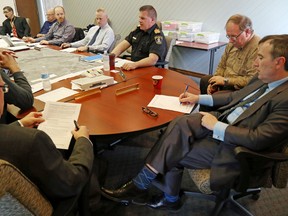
column 158, row 39
column 157, row 31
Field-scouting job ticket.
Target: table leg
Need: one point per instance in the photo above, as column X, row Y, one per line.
column 211, row 64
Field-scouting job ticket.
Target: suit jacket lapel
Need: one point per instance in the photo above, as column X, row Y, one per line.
column 261, row 101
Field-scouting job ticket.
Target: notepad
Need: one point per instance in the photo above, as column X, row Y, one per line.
column 92, row 58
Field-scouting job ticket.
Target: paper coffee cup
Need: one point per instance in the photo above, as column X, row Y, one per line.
column 157, row 81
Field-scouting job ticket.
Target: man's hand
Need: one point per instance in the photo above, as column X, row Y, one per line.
column 129, row 66
column 32, row 119
column 65, row 45
column 217, row 80
column 82, row 49
column 82, row 132
column 7, row 60
column 28, row 39
column 187, row 97
column 208, row 121
column 44, row 42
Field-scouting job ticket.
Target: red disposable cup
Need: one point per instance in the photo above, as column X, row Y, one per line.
column 112, row 61
column 157, row 81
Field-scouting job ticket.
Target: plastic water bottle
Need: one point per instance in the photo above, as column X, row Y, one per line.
column 106, row 66
column 45, row 79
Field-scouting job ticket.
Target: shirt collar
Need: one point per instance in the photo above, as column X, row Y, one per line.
column 276, row 83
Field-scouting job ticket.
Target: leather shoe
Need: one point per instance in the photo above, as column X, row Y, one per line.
column 160, row 202
column 124, row 194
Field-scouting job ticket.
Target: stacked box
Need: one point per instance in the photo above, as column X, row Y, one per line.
column 207, row 37
column 169, row 25
column 185, row 36
column 170, row 33
column 186, row 26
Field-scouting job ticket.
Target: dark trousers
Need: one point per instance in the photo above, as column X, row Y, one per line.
column 185, row 143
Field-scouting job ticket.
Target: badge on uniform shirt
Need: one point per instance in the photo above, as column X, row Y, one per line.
column 157, row 31
column 158, row 39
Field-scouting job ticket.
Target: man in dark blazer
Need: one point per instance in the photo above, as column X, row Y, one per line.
column 33, row 152
column 207, row 140
column 20, row 24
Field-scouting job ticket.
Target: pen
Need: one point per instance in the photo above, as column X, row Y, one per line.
column 76, row 125
column 186, row 89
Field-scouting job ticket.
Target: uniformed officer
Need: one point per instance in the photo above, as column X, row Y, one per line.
column 147, row 41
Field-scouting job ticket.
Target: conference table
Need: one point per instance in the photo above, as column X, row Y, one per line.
column 107, row 114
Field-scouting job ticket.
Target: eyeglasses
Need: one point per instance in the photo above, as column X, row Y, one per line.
column 234, row 37
column 5, row 88
column 149, row 112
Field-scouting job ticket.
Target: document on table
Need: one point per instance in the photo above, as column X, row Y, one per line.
column 59, row 123
column 170, row 103
column 56, row 94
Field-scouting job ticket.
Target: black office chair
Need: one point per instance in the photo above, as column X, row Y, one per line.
column 257, row 170
column 79, row 34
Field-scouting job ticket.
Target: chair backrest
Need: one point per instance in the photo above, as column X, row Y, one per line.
column 18, row 195
column 116, row 40
column 170, row 41
column 79, row 34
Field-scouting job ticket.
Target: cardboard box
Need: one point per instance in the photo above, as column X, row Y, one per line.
column 170, row 25
column 190, row 26
column 207, row 37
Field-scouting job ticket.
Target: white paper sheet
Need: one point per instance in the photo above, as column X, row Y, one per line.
column 56, row 94
column 71, row 49
column 59, row 123
column 170, row 103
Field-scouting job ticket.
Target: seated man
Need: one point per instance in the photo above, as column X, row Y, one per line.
column 17, row 26
column 98, row 39
column 236, row 66
column 48, row 23
column 20, row 93
column 60, row 32
column 147, row 41
column 33, row 152
column 207, row 140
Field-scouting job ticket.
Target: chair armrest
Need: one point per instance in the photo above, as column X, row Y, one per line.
column 161, row 64
column 273, row 156
column 256, row 168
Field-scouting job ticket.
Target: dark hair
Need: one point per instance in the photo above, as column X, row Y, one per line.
column 8, row 8
column 151, row 11
column 242, row 21
column 279, row 46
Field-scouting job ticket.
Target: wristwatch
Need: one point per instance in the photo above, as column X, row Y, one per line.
column 226, row 81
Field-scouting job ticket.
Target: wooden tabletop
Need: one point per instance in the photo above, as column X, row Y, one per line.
column 105, row 113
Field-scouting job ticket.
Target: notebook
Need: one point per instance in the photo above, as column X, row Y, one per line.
column 15, row 46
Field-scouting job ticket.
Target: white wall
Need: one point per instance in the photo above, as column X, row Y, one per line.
column 269, row 17
column 4, row 3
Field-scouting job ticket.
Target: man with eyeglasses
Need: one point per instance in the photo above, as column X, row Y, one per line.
column 236, row 66
column 20, row 93
column 48, row 23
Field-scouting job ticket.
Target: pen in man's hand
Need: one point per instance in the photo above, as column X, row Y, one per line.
column 76, row 125
column 186, row 89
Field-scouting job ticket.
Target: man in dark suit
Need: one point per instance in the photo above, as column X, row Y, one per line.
column 33, row 152
column 207, row 140
column 18, row 26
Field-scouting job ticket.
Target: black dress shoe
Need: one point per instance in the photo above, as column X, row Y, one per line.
column 124, row 194
column 160, row 202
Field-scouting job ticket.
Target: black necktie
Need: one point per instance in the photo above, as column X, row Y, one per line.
column 94, row 37
column 261, row 91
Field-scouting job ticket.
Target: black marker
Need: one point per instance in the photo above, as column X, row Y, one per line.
column 76, row 125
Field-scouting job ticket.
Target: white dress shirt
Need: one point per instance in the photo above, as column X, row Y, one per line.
column 103, row 41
